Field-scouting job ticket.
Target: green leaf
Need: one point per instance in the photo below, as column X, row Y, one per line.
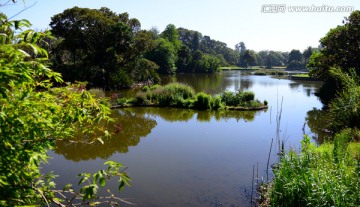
column 102, row 181
column 121, row 185
column 67, row 187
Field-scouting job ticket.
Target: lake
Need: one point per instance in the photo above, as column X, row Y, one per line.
column 181, row 157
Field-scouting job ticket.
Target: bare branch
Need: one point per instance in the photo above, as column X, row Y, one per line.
column 26, row 8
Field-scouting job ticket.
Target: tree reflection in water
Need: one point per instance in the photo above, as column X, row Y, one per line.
column 318, row 122
column 127, row 130
column 132, row 124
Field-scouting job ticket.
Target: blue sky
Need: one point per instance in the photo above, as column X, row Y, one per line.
column 229, row 21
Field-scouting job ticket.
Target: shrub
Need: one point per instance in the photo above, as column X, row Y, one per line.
column 99, row 93
column 228, row 98
column 121, row 101
column 217, row 104
column 145, row 89
column 248, row 96
column 140, row 98
column 203, row 101
column 180, row 89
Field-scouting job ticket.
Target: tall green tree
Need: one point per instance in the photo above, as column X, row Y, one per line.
column 99, row 46
column 172, row 35
column 307, row 54
column 340, row 49
column 184, row 59
column 249, row 58
column 295, row 60
column 164, row 55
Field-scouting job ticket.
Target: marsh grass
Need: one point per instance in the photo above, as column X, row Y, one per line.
column 328, row 175
column 271, row 72
column 183, row 96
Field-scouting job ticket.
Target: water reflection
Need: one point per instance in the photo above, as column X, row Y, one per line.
column 176, row 114
column 131, row 127
column 199, row 158
column 318, row 122
column 134, row 123
column 307, row 87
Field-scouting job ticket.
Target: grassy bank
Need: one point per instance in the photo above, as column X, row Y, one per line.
column 183, row 96
column 328, row 175
column 271, row 72
column 241, row 68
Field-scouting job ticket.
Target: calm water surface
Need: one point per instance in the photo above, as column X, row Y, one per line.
column 179, row 157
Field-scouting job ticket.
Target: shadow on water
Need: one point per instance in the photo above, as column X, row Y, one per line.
column 318, row 122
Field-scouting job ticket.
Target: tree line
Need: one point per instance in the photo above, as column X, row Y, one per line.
column 111, row 51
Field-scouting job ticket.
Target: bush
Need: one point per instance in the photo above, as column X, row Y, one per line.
column 236, row 99
column 99, row 93
column 122, row 101
column 140, row 98
column 247, row 96
column 217, row 104
column 145, row 89
column 228, row 98
column 180, row 89
column 203, row 101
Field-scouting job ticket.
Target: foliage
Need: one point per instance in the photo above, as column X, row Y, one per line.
column 203, row 101
column 295, row 60
column 315, row 177
column 340, row 50
column 34, row 114
column 101, row 47
column 345, row 107
column 195, row 41
column 164, row 55
column 184, row 96
column 249, row 58
column 237, row 99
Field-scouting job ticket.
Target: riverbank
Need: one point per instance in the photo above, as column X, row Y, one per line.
column 325, row 175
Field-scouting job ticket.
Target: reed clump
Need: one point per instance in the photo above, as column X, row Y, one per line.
column 328, row 175
column 183, row 96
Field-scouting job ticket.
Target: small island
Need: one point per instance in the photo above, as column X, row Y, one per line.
column 184, row 96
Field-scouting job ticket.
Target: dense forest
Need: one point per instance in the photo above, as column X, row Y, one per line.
column 110, row 50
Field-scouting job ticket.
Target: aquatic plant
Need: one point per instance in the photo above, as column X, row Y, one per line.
column 183, row 96
column 328, row 175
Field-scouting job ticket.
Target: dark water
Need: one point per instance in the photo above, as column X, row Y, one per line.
column 179, row 157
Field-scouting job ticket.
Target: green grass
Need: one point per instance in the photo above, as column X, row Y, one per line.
column 328, row 175
column 183, row 96
column 270, row 72
column 241, row 68
column 302, row 75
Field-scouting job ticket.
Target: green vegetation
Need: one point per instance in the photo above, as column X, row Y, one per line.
column 271, row 72
column 111, row 51
column 302, row 75
column 328, row 175
column 183, row 96
column 34, row 115
column 339, row 50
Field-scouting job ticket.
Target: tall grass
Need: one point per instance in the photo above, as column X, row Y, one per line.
column 183, row 96
column 328, row 175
